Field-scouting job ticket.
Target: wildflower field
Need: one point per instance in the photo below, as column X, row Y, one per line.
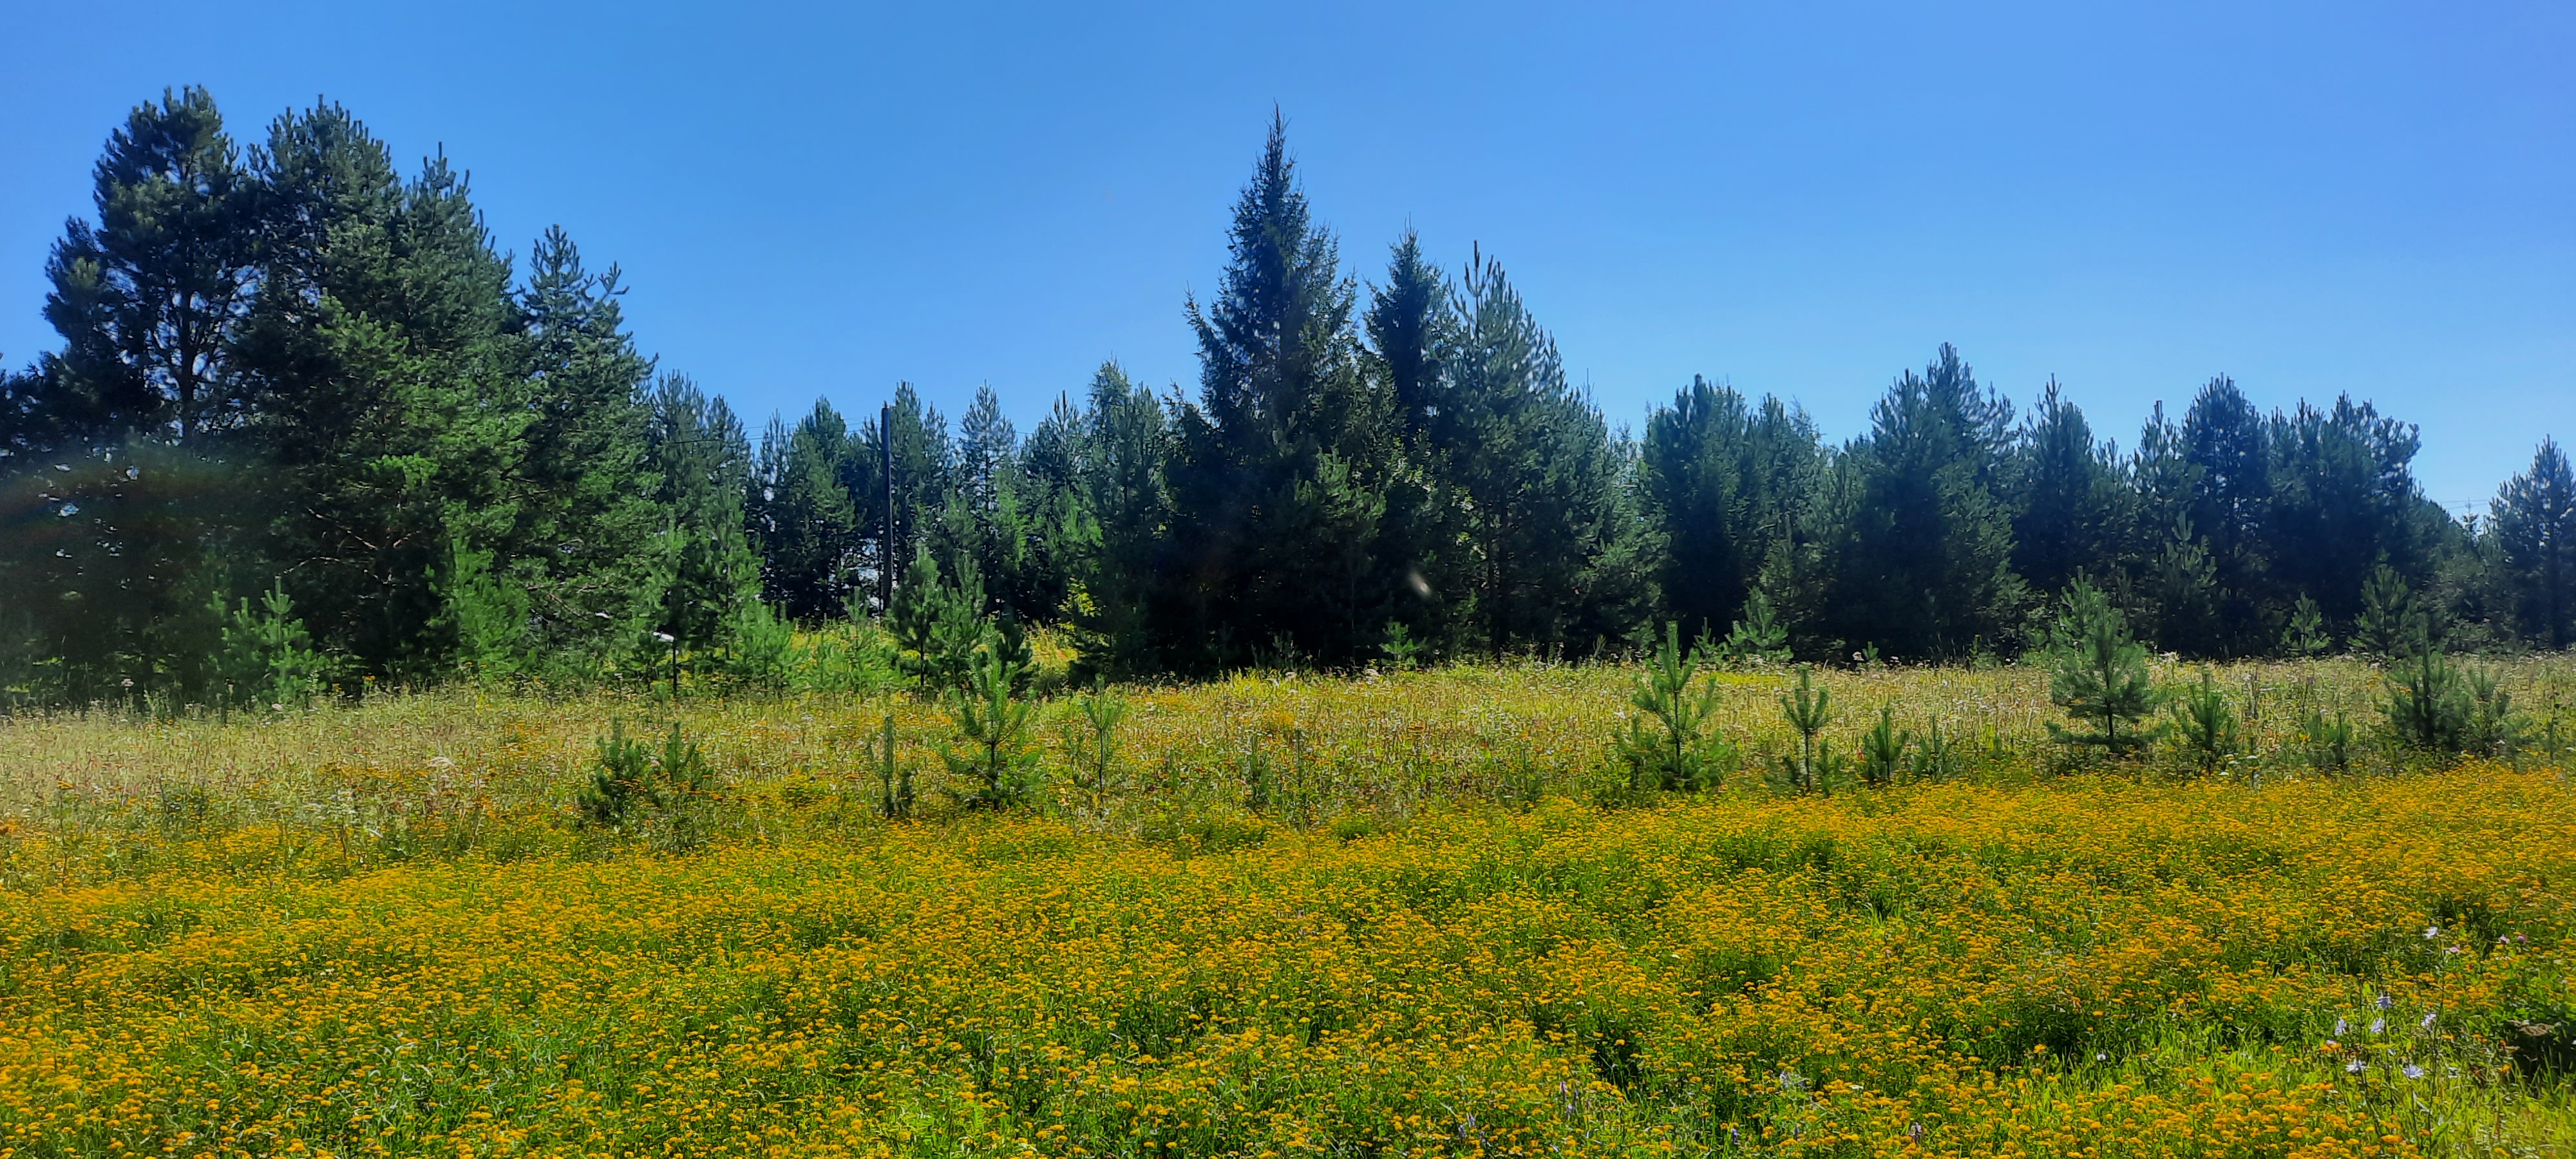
column 1423, row 914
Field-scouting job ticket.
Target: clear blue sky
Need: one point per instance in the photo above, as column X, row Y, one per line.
column 1798, row 198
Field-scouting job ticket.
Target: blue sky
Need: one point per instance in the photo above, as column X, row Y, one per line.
column 1796, row 198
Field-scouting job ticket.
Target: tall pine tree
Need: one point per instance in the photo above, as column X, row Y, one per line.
column 1922, row 566
column 2533, row 521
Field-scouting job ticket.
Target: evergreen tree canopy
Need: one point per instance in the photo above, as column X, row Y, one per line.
column 2534, row 522
column 1923, row 563
column 1275, row 484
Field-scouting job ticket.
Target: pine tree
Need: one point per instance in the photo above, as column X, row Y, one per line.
column 985, row 518
column 2343, row 500
column 1726, row 486
column 702, row 464
column 2069, row 504
column 1924, row 563
column 1125, row 506
column 2228, row 445
column 117, row 552
column 374, row 367
column 912, row 440
column 809, row 527
column 1055, row 528
column 1534, row 467
column 2100, row 675
column 148, row 299
column 2533, row 520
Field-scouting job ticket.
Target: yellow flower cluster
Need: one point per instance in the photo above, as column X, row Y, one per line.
column 2084, row 967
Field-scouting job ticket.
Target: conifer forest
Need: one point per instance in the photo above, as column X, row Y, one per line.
column 431, row 724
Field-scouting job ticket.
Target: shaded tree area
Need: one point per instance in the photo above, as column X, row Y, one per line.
column 300, row 395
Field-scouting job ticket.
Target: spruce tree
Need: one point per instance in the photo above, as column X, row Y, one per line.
column 1412, row 332
column 1277, row 485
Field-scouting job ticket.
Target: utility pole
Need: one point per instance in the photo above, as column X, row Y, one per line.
column 885, row 547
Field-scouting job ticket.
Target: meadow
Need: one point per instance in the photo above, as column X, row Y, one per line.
column 1408, row 913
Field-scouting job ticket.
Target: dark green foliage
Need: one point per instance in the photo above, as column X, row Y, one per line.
column 149, row 298
column 2393, row 621
column 2070, row 504
column 938, row 627
column 1667, row 744
column 267, row 659
column 1727, row 485
column 2305, row 635
column 1922, row 562
column 701, row 461
column 1277, row 476
column 2533, row 521
column 2496, row 728
column 294, row 362
column 1759, row 636
column 374, row 365
column 2343, row 502
column 804, row 514
column 2099, row 675
column 1547, row 525
column 590, row 547
column 1116, row 524
column 2205, row 723
column 2224, row 440
column 1413, row 335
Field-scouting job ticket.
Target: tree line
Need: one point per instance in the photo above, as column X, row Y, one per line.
column 307, row 418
